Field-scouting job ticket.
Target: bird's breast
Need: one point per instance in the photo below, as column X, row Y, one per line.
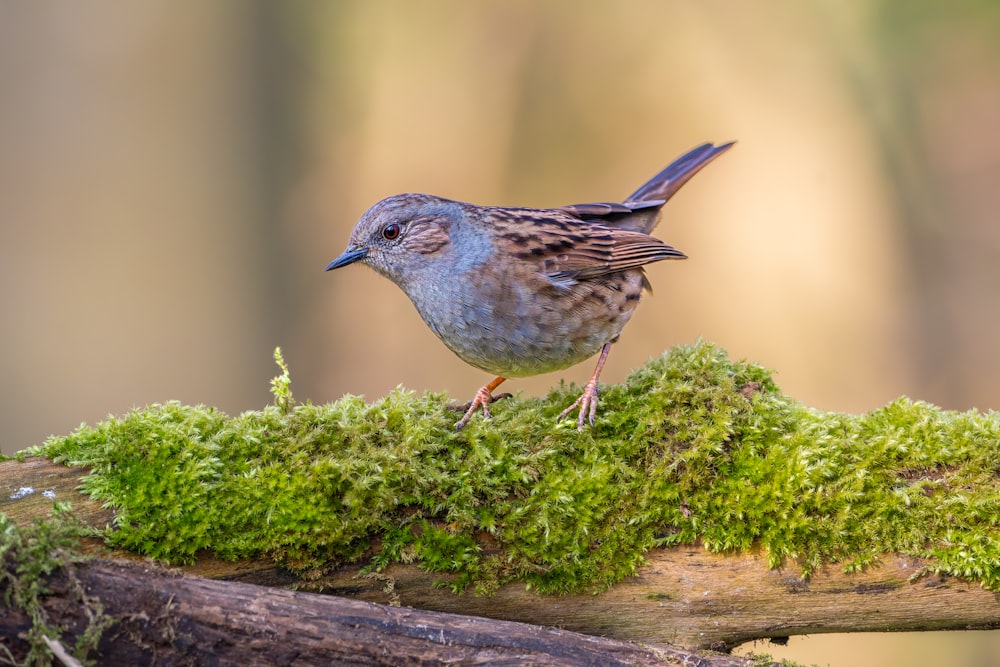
column 513, row 322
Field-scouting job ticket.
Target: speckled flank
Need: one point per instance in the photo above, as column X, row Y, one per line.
column 518, row 324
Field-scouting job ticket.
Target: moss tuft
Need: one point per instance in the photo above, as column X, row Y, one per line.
column 29, row 556
column 693, row 447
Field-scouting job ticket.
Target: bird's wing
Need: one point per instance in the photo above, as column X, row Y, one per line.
column 602, row 250
column 566, row 249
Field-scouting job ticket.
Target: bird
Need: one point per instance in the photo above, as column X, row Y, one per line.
column 518, row 292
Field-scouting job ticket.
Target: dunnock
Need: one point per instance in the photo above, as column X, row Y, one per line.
column 523, row 291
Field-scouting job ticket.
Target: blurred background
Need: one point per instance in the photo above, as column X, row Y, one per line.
column 173, row 180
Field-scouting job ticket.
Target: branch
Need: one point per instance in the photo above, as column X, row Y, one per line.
column 159, row 617
column 684, row 596
column 705, row 507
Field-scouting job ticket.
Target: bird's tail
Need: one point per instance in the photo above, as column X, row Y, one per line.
column 665, row 184
column 641, row 210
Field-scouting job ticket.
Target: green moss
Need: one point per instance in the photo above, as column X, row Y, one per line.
column 765, row 660
column 692, row 447
column 29, row 556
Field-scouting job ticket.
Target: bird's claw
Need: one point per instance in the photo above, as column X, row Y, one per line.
column 482, row 401
column 587, row 404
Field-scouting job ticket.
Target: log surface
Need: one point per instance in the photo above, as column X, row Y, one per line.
column 165, row 618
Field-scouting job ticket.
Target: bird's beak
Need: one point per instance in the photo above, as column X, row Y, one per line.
column 349, row 256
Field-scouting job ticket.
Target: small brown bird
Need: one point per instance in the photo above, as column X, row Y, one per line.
column 523, row 291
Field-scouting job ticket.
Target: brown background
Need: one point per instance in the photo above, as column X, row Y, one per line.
column 174, row 179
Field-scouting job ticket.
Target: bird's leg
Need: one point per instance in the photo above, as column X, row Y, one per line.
column 482, row 400
column 588, row 399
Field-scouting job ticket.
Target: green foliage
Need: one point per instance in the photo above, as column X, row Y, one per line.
column 691, row 448
column 281, row 386
column 29, row 555
column 765, row 660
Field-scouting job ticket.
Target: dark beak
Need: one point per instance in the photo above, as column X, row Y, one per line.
column 349, row 256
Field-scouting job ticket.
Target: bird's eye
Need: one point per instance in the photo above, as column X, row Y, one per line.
column 391, row 232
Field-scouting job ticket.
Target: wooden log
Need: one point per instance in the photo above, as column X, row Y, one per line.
column 684, row 596
column 166, row 618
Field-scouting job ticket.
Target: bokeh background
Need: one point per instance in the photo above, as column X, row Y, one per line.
column 174, row 179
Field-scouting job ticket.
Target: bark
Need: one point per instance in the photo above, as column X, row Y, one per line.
column 166, row 618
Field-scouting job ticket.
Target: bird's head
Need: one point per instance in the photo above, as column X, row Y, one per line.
column 402, row 235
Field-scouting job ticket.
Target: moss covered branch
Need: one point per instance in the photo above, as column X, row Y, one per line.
column 693, row 449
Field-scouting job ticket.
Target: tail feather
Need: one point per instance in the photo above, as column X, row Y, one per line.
column 666, row 183
column 641, row 210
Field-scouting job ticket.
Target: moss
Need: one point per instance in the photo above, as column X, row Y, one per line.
column 693, row 447
column 29, row 556
column 765, row 660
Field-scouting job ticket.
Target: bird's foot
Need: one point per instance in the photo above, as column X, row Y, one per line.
column 482, row 401
column 587, row 404
column 588, row 399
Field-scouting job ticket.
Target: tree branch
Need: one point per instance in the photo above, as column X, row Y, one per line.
column 161, row 617
column 684, row 596
column 766, row 503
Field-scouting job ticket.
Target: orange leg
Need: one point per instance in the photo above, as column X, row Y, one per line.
column 482, row 400
column 588, row 399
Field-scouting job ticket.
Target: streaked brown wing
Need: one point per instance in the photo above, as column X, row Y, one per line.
column 602, row 250
column 567, row 249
